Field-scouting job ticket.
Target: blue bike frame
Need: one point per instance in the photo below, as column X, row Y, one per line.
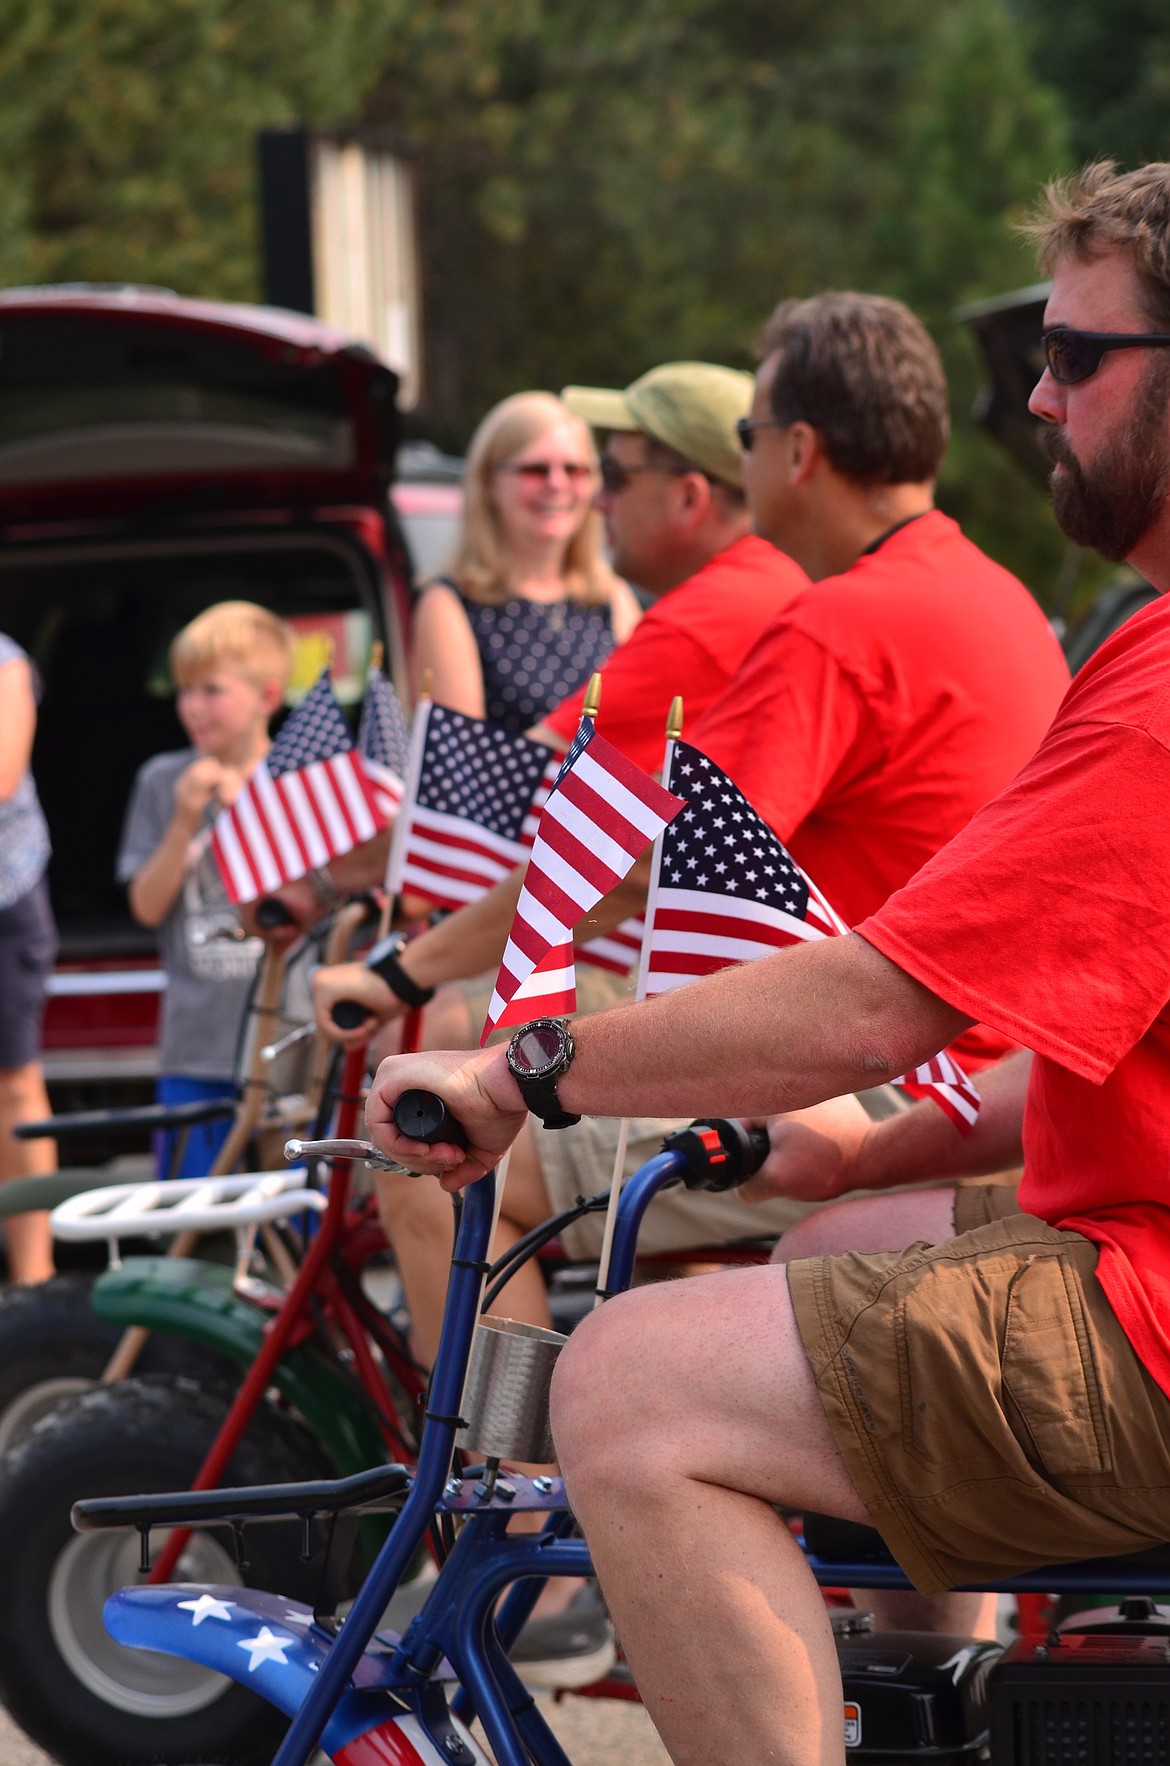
column 355, row 1680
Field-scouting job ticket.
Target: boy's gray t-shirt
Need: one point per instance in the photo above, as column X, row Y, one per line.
column 209, row 967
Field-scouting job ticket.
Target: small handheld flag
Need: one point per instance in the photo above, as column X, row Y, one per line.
column 602, row 812
column 727, row 892
column 309, row 800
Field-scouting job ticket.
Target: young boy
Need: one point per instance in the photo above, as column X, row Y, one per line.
column 230, row 666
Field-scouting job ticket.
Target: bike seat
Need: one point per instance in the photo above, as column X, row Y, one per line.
column 831, row 1540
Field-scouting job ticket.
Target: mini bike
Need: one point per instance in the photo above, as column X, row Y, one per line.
column 1095, row 1694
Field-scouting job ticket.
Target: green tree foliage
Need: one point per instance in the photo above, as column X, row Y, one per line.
column 603, row 186
column 128, row 128
column 606, row 187
column 1110, row 60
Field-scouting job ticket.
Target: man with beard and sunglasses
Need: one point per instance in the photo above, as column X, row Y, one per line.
column 996, row 1396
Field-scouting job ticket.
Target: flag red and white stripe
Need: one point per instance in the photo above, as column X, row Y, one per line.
column 602, row 813
column 310, row 800
column 471, row 807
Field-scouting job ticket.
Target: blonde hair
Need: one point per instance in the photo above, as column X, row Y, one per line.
column 481, row 566
column 237, row 632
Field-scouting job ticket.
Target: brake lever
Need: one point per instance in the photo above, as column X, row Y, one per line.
column 296, row 1152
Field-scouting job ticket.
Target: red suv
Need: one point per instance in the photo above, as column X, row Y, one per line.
column 158, row 455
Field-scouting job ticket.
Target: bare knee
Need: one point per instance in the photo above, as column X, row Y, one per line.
column 596, row 1398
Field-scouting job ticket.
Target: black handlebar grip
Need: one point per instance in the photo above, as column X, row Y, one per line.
column 422, row 1116
column 272, row 914
column 348, row 1014
column 720, row 1153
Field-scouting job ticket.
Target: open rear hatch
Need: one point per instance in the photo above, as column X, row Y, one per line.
column 133, row 402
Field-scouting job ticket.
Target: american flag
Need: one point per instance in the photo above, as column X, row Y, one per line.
column 726, row 891
column 473, row 814
column 307, row 802
column 601, row 813
column 383, row 741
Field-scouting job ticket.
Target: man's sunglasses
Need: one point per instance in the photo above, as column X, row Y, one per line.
column 1072, row 356
column 745, row 429
column 541, row 471
column 615, row 477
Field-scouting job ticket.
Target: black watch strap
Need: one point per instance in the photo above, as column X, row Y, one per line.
column 540, row 1095
column 538, row 1084
column 383, row 960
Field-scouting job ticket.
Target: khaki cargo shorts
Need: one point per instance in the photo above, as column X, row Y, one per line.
column 986, row 1402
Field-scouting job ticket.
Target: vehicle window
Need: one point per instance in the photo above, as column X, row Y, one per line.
column 98, row 628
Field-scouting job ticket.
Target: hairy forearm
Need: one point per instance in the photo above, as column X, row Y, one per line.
column 808, row 1024
column 468, row 942
column 363, row 867
column 921, row 1144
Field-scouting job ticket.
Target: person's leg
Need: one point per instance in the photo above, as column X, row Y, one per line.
column 682, row 1412
column 417, row 1217
column 191, row 1152
column 888, row 1223
column 28, row 949
column 28, row 1237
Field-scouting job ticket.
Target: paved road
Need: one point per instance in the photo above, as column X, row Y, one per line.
column 594, row 1732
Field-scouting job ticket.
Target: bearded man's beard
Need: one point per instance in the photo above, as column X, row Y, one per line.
column 1111, row 504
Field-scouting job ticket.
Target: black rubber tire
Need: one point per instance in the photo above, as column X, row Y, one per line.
column 84, row 1699
column 53, row 1345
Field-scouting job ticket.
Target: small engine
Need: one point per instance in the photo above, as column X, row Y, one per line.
column 1096, row 1693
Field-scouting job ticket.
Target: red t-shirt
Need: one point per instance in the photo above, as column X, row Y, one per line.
column 884, row 708
column 691, row 642
column 1049, row 917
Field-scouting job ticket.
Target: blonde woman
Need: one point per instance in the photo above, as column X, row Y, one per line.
column 529, row 607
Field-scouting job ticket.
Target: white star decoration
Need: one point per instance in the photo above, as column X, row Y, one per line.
column 267, row 1647
column 206, row 1607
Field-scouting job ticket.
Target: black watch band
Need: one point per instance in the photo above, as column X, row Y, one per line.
column 382, row 960
column 538, row 1055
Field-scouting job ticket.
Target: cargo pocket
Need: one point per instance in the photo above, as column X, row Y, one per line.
column 1049, row 1373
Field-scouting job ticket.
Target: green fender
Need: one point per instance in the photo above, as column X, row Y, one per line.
column 191, row 1299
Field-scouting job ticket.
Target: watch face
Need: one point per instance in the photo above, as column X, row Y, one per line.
column 537, row 1046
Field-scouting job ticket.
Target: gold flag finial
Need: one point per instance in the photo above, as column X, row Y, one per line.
column 376, row 656
column 424, row 689
column 593, row 696
column 674, row 718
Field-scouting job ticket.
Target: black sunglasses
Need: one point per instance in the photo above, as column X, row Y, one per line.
column 615, row 477
column 745, row 429
column 1073, row 355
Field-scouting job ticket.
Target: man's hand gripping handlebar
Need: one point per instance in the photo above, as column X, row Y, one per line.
column 419, row 1115
column 478, row 1093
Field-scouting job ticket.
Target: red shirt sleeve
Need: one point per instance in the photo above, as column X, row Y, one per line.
column 641, row 676
column 1049, row 915
column 785, row 728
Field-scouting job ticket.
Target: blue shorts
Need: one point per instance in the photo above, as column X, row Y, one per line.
column 28, row 950
column 204, row 1139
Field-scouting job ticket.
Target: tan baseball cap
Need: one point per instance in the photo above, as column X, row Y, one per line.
column 691, row 406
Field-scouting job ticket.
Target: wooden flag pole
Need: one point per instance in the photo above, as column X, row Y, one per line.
column 674, row 723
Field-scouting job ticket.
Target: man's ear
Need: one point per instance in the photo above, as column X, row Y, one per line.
column 694, row 490
column 271, row 696
column 805, row 452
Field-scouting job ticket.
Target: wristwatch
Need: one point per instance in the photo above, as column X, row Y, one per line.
column 538, row 1054
column 383, row 960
